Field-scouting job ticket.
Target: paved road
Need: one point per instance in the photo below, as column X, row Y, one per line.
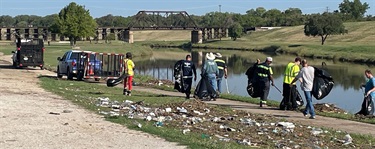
column 25, row 121
column 327, row 122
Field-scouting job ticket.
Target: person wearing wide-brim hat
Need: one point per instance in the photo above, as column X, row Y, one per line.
column 210, row 70
column 221, row 65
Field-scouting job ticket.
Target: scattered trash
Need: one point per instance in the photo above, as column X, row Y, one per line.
column 347, row 139
column 67, row 111
column 195, row 116
column 185, row 131
column 168, row 110
column 316, row 131
column 54, row 113
column 159, row 124
column 205, row 136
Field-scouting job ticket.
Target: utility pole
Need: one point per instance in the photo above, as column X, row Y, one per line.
column 219, row 8
column 327, row 9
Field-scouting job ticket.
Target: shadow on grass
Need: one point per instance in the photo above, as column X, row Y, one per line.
column 294, row 45
column 48, row 76
column 96, row 93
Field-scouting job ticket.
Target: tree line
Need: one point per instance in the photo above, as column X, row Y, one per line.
column 347, row 11
column 75, row 21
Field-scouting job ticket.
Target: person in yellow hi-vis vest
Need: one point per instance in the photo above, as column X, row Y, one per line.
column 129, row 71
column 289, row 88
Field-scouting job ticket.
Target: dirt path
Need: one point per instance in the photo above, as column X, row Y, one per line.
column 25, row 121
column 320, row 121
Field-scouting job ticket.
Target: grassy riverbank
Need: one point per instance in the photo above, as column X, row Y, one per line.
column 87, row 94
column 356, row 46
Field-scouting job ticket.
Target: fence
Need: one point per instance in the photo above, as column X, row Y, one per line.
column 157, row 72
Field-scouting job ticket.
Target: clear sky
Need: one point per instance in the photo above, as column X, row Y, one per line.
column 126, row 8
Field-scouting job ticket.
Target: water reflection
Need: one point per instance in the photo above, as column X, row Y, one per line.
column 347, row 76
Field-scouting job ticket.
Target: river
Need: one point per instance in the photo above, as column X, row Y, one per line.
column 348, row 77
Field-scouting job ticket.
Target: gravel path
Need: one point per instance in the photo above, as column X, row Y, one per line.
column 26, row 122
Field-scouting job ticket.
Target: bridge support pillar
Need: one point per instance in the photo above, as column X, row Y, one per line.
column 99, row 34
column 128, row 36
column 3, row 33
column 196, row 36
column 12, row 36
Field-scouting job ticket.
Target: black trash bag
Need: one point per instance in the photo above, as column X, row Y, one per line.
column 253, row 89
column 252, row 85
column 178, row 83
column 204, row 90
column 367, row 107
column 323, row 84
column 299, row 101
column 115, row 82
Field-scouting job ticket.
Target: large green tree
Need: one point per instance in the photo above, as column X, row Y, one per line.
column 75, row 22
column 353, row 9
column 235, row 31
column 324, row 25
column 6, row 21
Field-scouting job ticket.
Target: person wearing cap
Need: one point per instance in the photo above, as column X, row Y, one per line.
column 188, row 69
column 264, row 76
column 289, row 89
column 221, row 65
column 129, row 71
column 307, row 80
column 210, row 70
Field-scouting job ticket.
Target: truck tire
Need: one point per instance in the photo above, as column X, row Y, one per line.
column 14, row 65
column 58, row 73
column 69, row 74
column 80, row 76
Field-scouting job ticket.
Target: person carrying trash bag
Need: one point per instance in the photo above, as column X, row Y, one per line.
column 222, row 66
column 206, row 87
column 367, row 107
column 210, row 70
column 306, row 76
column 188, row 69
column 251, row 88
column 290, row 90
column 129, row 71
column 263, row 76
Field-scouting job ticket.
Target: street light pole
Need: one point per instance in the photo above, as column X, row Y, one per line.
column 219, row 8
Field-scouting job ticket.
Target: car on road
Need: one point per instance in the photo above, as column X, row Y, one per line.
column 74, row 64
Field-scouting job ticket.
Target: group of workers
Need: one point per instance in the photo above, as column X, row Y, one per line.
column 215, row 68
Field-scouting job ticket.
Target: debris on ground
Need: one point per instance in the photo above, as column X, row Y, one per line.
column 212, row 122
column 328, row 108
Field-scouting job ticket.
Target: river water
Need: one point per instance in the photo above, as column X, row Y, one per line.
column 348, row 77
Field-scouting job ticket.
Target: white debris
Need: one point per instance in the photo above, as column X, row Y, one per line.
column 286, row 125
column 148, row 118
column 185, row 131
column 168, row 110
column 348, row 139
column 316, row 131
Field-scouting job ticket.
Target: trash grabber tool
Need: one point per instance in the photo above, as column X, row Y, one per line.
column 226, row 82
column 277, row 88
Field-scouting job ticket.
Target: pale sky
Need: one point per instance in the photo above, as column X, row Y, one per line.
column 193, row 7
